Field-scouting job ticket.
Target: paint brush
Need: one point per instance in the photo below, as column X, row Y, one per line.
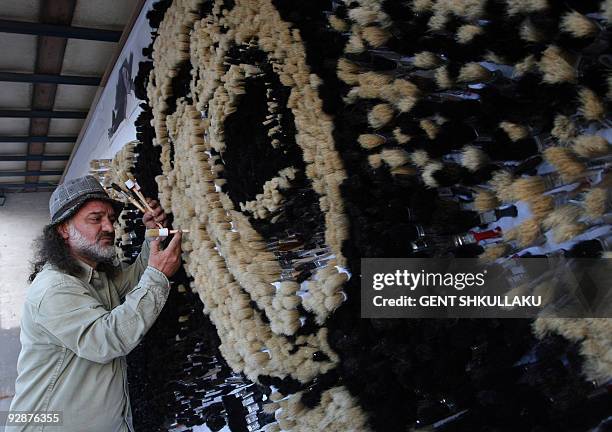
column 122, row 193
column 162, row 232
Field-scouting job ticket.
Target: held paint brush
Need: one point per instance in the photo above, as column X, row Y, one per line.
column 133, row 185
column 162, row 232
column 122, row 193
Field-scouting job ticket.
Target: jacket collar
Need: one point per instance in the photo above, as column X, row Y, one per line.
column 87, row 273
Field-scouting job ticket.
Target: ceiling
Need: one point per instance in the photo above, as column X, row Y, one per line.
column 54, row 57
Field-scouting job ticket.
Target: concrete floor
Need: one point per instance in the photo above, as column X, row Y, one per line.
column 21, row 220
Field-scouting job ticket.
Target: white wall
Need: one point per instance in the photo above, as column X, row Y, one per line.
column 21, row 220
column 95, row 142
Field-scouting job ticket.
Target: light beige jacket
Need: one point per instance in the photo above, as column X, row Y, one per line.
column 75, row 334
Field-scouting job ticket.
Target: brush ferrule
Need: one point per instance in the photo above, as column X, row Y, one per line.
column 606, row 242
column 464, row 239
column 487, row 217
column 420, row 231
column 419, row 246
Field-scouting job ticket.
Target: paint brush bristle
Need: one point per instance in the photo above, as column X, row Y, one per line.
column 557, row 66
column 380, row 115
column 578, row 25
column 590, row 146
column 565, row 162
column 485, row 201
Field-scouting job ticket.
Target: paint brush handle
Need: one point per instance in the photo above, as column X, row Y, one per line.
column 162, row 232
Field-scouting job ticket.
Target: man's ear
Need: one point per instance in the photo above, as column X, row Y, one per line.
column 62, row 230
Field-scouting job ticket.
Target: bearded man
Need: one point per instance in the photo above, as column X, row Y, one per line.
column 83, row 314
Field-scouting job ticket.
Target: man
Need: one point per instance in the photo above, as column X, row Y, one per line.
column 82, row 315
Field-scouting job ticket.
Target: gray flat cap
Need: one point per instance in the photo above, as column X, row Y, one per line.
column 70, row 196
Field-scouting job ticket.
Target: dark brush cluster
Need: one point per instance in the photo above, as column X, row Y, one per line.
column 446, row 374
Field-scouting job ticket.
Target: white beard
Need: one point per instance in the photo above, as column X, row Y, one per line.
column 94, row 251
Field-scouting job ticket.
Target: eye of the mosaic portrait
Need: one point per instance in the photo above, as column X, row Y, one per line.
column 263, row 165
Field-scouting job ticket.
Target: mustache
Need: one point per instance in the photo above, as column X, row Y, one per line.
column 106, row 236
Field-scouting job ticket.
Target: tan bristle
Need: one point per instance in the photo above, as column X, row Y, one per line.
column 515, row 131
column 485, row 201
column 567, row 231
column 493, row 252
column 591, row 107
column 405, row 94
column 380, row 115
column 526, row 6
column 420, row 158
column 526, row 233
column 565, row 162
column 363, row 16
column 556, row 66
column 526, row 65
column 421, row 5
column 374, row 85
column 426, row 60
column 501, row 182
column 348, row 71
column 529, row 32
column 373, row 79
column 395, row 157
column 437, row 22
column 541, row 206
column 376, row 36
column 428, row 172
column 400, row 137
column 529, row 232
column 473, row 72
column 466, row 33
column 442, row 78
column 430, row 128
column 564, row 129
column 596, row 202
column 338, row 24
column 527, row 188
column 370, row 141
column 578, row 25
column 589, row 146
column 355, row 44
column 563, row 214
column 473, row 158
column 375, row 160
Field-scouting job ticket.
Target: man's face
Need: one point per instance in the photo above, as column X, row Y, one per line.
column 90, row 232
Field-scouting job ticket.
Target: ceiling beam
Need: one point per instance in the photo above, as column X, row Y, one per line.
column 49, row 78
column 49, row 60
column 59, row 30
column 47, row 114
column 30, row 173
column 37, row 139
column 27, row 185
column 19, row 158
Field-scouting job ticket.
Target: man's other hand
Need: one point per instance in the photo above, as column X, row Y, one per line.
column 168, row 260
column 151, row 219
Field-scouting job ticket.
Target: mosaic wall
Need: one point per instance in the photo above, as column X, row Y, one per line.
column 294, row 138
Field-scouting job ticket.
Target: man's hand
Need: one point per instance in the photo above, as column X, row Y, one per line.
column 158, row 215
column 168, row 260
